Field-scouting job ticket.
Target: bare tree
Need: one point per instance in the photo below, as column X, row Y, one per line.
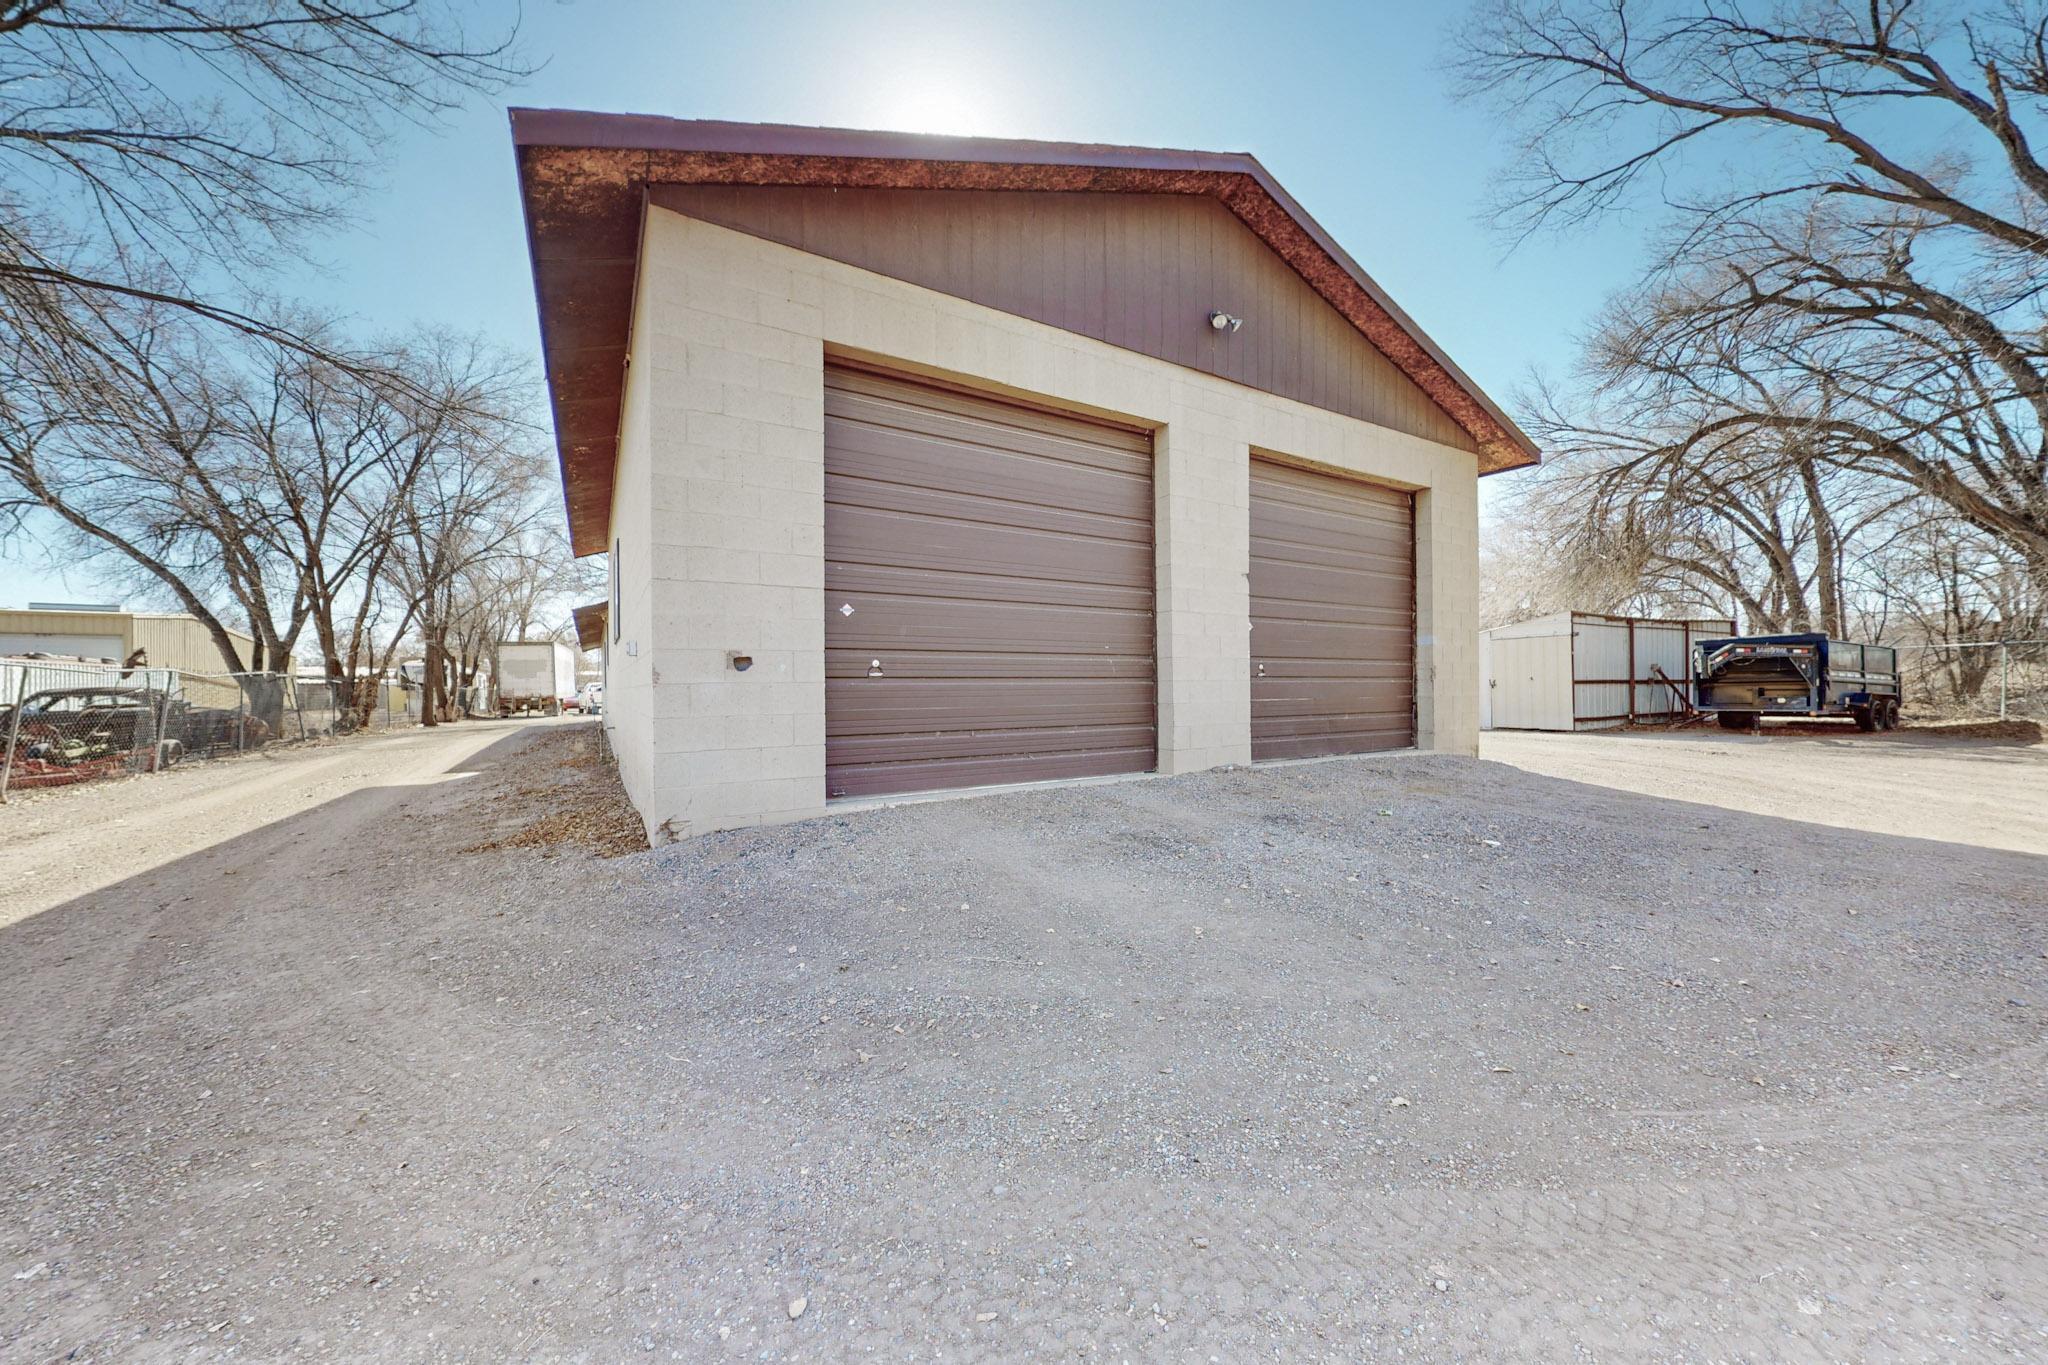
column 1861, row 300
column 473, row 506
column 121, row 431
column 259, row 487
column 148, row 148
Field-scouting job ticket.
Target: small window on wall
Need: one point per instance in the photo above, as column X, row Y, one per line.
column 615, row 592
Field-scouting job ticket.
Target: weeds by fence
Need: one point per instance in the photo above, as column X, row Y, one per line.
column 1993, row 679
column 63, row 722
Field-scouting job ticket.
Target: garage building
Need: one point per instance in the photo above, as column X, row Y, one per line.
column 936, row 463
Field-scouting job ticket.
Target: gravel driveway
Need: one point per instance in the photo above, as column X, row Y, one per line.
column 1991, row 792
column 1400, row 1058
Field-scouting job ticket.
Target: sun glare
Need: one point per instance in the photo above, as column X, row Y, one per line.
column 933, row 105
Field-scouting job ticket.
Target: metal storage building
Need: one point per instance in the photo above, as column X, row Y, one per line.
column 1580, row 670
column 173, row 639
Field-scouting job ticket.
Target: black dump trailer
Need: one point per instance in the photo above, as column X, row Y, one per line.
column 1747, row 677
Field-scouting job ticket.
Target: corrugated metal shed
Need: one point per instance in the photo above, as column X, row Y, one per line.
column 173, row 639
column 1575, row 670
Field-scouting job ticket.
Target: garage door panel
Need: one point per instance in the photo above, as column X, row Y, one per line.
column 1297, row 504
column 1331, row 736
column 924, row 717
column 900, row 403
column 857, row 780
column 854, row 663
column 1333, row 614
column 1288, row 485
column 940, row 545
column 968, row 742
column 1280, row 641
column 1303, row 573
column 1311, row 540
column 1335, row 670
column 887, row 625
column 1030, row 477
column 1278, row 618
column 1296, row 698
column 998, row 563
column 897, row 501
column 856, row 582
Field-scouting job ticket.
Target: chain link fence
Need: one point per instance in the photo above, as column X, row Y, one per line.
column 1977, row 680
column 64, row 722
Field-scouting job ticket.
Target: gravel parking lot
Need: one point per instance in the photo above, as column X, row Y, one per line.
column 1399, row 1058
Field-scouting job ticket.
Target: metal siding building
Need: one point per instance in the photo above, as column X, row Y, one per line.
column 1576, row 670
column 173, row 639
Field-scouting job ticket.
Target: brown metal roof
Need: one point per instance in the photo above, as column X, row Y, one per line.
column 582, row 177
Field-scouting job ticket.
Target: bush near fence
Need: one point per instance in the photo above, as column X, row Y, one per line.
column 64, row 722
column 1987, row 680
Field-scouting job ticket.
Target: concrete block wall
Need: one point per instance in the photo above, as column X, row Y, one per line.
column 629, row 681
column 723, row 449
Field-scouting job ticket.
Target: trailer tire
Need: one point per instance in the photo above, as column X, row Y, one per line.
column 1866, row 718
column 1737, row 720
column 1888, row 715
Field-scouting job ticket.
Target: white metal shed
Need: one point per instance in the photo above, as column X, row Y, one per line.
column 1580, row 670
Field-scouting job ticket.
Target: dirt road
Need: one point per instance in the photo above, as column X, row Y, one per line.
column 66, row 842
column 1988, row 793
column 1418, row 1059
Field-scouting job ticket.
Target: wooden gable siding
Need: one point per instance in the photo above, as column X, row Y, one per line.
column 1139, row 271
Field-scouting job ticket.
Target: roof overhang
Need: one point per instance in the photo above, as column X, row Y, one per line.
column 590, row 623
column 582, row 178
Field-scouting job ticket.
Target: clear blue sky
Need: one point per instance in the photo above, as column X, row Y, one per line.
column 1345, row 103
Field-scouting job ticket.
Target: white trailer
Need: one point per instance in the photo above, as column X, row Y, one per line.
column 1582, row 670
column 534, row 675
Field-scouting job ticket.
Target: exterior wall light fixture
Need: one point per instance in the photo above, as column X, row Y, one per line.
column 1223, row 322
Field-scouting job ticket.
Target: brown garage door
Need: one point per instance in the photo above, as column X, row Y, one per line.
column 1333, row 614
column 988, row 591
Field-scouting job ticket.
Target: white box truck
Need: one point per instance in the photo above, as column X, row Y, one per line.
column 534, row 675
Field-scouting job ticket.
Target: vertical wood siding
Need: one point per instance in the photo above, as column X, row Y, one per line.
column 1140, row 271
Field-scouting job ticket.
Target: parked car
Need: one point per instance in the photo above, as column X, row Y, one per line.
column 70, row 734
column 591, row 699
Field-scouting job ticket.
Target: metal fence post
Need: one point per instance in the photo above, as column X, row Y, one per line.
column 2004, row 674
column 13, row 732
column 163, row 720
column 241, row 710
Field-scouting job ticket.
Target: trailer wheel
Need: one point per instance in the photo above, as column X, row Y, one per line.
column 1737, row 720
column 1866, row 718
column 1888, row 715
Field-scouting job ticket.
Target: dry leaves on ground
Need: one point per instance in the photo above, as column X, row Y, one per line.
column 563, row 793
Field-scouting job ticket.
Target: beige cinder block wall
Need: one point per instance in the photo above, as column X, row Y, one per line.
column 720, row 513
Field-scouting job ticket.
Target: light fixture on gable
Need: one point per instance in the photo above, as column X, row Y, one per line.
column 1223, row 322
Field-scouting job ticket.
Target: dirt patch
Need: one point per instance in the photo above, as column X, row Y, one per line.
column 2011, row 731
column 2016, row 731
column 561, row 793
